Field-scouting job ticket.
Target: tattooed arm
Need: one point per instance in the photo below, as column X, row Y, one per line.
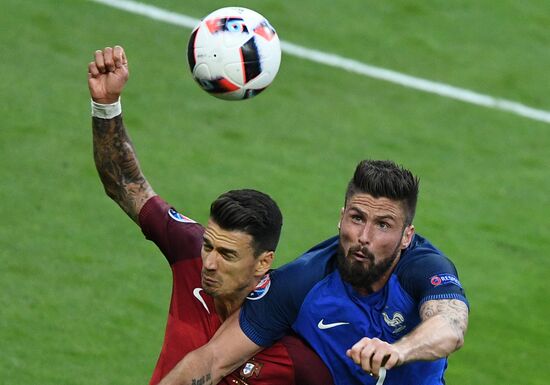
column 440, row 333
column 225, row 352
column 118, row 166
column 114, row 154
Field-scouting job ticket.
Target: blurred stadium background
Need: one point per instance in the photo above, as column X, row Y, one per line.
column 83, row 296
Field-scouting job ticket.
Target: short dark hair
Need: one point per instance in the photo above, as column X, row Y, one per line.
column 384, row 178
column 251, row 212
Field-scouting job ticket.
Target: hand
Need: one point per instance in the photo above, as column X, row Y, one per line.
column 372, row 354
column 108, row 74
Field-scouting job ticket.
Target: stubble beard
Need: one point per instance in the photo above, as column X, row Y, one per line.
column 208, row 287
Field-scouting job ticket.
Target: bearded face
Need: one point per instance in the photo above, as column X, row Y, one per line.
column 372, row 234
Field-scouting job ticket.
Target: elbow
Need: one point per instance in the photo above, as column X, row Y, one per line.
column 457, row 327
column 220, row 367
column 113, row 189
column 460, row 332
column 459, row 342
column 460, row 339
column 110, row 193
column 455, row 341
column 207, row 364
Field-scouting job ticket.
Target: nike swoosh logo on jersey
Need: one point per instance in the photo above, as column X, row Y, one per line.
column 322, row 325
column 197, row 294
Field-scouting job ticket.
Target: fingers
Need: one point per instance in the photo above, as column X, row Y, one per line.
column 109, row 59
column 377, row 360
column 391, row 360
column 373, row 354
column 93, row 71
column 119, row 57
column 355, row 352
column 100, row 61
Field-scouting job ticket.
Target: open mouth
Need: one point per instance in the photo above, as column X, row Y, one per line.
column 361, row 257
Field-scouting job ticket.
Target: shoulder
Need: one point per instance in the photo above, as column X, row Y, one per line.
column 422, row 256
column 178, row 236
column 156, row 208
column 308, row 269
column 426, row 273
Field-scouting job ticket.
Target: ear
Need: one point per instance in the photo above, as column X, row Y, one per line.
column 341, row 217
column 264, row 262
column 407, row 236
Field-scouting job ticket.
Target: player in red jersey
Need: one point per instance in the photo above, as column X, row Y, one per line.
column 214, row 268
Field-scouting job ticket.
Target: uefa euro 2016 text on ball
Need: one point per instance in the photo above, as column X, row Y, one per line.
column 234, row 53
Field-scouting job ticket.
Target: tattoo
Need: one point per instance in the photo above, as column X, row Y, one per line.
column 118, row 166
column 204, row 380
column 455, row 312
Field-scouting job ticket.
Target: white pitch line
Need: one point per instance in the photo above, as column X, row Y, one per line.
column 350, row 65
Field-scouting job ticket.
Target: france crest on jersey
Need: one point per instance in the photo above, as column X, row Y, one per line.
column 334, row 317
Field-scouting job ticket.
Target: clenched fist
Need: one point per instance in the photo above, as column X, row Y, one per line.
column 108, row 74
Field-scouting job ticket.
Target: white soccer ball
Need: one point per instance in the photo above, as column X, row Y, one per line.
column 234, row 53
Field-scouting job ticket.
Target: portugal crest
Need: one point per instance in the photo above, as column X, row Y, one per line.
column 251, row 368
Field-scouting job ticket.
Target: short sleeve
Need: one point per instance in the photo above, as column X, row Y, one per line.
column 430, row 276
column 177, row 236
column 267, row 318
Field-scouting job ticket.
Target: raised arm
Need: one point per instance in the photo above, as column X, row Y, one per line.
column 441, row 332
column 114, row 154
column 225, row 352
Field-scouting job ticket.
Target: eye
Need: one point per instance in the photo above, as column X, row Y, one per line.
column 356, row 218
column 384, row 225
column 206, row 247
column 229, row 257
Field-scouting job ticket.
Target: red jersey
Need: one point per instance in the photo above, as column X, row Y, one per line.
column 192, row 318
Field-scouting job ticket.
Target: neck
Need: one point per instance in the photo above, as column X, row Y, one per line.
column 227, row 305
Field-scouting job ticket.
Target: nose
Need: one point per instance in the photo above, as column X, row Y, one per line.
column 365, row 235
column 210, row 260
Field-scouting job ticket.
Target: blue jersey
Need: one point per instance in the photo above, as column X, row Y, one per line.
column 309, row 296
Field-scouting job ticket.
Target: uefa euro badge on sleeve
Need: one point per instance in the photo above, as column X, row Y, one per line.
column 261, row 288
column 179, row 217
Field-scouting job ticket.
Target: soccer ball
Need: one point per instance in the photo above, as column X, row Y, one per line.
column 234, row 53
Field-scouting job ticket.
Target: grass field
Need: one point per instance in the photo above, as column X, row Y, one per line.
column 83, row 296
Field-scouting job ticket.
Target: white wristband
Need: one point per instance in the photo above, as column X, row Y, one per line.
column 106, row 111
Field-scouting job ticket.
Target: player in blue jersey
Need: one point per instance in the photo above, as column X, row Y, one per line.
column 379, row 303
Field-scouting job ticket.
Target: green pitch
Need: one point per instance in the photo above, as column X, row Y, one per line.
column 83, row 296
